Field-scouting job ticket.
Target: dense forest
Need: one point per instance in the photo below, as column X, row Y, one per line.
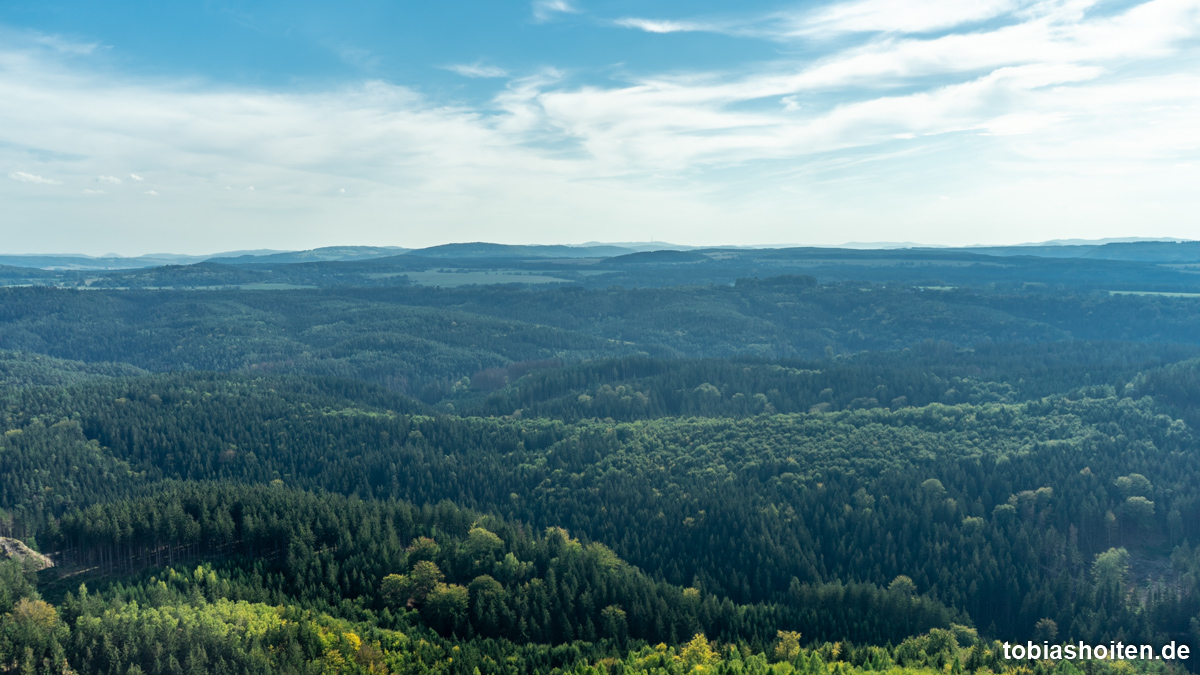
column 774, row 476
column 1156, row 266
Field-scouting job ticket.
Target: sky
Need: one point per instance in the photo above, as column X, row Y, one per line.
column 141, row 127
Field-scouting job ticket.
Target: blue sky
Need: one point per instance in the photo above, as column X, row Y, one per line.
column 196, row 127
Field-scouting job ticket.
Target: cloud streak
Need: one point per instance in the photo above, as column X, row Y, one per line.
column 22, row 177
column 660, row 26
column 898, row 16
column 548, row 10
column 474, row 70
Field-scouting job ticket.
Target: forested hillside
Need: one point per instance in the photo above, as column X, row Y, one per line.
column 775, row 476
column 1164, row 266
column 422, row 342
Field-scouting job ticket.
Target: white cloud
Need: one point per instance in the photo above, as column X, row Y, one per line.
column 1002, row 75
column 151, row 192
column 109, row 179
column 1153, row 29
column 1050, row 104
column 899, row 16
column 887, row 17
column 657, row 26
column 31, row 178
column 62, row 46
column 477, row 70
column 545, row 10
column 93, row 192
column 359, row 58
column 136, row 178
column 670, row 125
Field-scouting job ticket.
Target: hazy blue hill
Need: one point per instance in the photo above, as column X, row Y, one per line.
column 1150, row 251
column 1056, row 251
column 815, row 253
column 324, row 254
column 657, row 257
column 485, row 250
column 921, row 267
column 81, row 262
column 1114, row 266
column 13, row 274
column 1136, row 251
column 1133, row 251
column 71, row 261
column 259, row 275
column 199, row 275
column 643, row 245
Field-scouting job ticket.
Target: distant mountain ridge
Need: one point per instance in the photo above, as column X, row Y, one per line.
column 487, row 250
column 1154, row 251
column 1134, row 251
column 79, row 261
column 68, row 261
column 324, row 254
column 82, row 262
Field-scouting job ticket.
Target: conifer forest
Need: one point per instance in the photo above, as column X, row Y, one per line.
column 681, row 464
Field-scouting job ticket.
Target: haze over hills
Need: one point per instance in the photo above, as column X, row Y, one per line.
column 1108, row 240
column 111, row 262
column 486, row 250
column 1140, row 266
column 325, row 254
column 1133, row 249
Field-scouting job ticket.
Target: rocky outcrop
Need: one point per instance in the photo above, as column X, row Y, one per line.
column 15, row 548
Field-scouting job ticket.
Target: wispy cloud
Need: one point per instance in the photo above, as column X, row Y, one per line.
column 23, row 177
column 358, row 57
column 837, row 20
column 900, row 16
column 61, row 45
column 109, row 179
column 477, row 70
column 136, row 178
column 663, row 26
column 545, row 10
column 93, row 192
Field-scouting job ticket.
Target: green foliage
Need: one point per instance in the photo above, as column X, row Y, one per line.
column 414, row 588
column 445, row 607
column 694, row 501
column 18, row 581
column 1111, row 567
column 929, row 372
column 420, row 341
column 725, row 476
